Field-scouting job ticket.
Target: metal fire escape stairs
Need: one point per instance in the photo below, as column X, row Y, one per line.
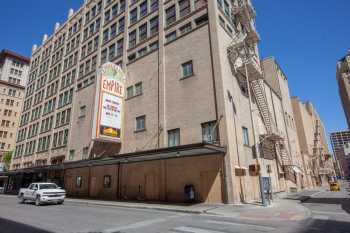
column 243, row 59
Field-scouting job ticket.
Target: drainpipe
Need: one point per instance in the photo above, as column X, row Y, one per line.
column 236, row 138
column 256, row 147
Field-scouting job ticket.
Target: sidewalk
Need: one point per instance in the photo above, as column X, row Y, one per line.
column 280, row 210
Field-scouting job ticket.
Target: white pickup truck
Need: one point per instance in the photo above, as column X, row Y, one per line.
column 42, row 193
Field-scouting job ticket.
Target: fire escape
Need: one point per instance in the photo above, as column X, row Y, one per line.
column 245, row 65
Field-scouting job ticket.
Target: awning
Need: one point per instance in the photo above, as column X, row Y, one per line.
column 191, row 150
column 243, row 168
column 297, row 169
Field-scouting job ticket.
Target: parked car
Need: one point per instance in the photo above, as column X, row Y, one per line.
column 42, row 193
column 334, row 186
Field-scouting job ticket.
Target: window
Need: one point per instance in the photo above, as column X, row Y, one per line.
column 115, row 10
column 170, row 15
column 107, row 16
column 111, row 52
column 154, row 5
column 153, row 46
column 138, row 88
column 170, row 37
column 85, row 153
column 120, row 47
column 186, row 28
column 104, row 56
column 82, row 112
column 209, row 132
column 105, row 35
column 140, row 123
column 107, row 181
column 154, row 25
column 185, row 7
column 245, row 136
column 71, row 154
column 174, row 137
column 113, row 30
column 187, row 69
column 78, row 182
column 227, row 8
column 143, row 9
column 142, row 52
column 143, row 32
column 132, row 39
column 130, row 92
column 133, row 16
column 121, row 25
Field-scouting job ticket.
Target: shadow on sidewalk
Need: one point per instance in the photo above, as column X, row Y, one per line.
column 325, row 226
column 344, row 202
column 8, row 226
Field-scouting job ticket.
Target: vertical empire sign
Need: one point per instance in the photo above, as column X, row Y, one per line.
column 110, row 103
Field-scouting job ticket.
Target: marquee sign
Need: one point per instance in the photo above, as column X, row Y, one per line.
column 110, row 102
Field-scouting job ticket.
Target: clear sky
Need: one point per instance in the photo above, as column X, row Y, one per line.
column 307, row 37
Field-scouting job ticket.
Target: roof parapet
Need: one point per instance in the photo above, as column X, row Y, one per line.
column 45, row 38
column 70, row 13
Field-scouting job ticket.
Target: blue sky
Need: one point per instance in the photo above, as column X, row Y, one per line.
column 306, row 37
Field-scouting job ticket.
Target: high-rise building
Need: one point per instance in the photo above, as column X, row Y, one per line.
column 340, row 144
column 195, row 109
column 13, row 76
column 318, row 162
column 343, row 78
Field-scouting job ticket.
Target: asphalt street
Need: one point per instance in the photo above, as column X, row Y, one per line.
column 330, row 213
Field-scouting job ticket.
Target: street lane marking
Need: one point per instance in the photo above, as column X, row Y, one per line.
column 194, row 230
column 320, row 217
column 256, row 227
column 329, row 213
column 142, row 223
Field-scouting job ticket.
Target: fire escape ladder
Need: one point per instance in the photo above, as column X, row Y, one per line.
column 244, row 61
column 261, row 101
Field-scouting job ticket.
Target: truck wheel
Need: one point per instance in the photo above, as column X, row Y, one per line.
column 21, row 199
column 60, row 202
column 37, row 201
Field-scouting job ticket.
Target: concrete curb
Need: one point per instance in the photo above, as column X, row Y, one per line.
column 135, row 206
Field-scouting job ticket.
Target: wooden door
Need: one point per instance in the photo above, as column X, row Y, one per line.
column 93, row 187
column 210, row 187
column 151, row 187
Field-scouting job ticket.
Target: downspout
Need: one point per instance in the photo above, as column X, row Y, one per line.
column 242, row 196
column 256, row 147
column 225, row 188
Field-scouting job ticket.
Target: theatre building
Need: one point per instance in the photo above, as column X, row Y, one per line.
column 148, row 99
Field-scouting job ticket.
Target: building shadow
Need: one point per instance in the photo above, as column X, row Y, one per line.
column 8, row 226
column 324, row 226
column 344, row 202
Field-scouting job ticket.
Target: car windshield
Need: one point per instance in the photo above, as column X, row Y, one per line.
column 48, row 186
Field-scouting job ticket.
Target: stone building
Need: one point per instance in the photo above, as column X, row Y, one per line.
column 317, row 160
column 13, row 76
column 278, row 95
column 343, row 79
column 195, row 111
column 340, row 143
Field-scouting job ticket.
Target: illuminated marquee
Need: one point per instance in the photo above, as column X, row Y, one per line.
column 110, row 103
